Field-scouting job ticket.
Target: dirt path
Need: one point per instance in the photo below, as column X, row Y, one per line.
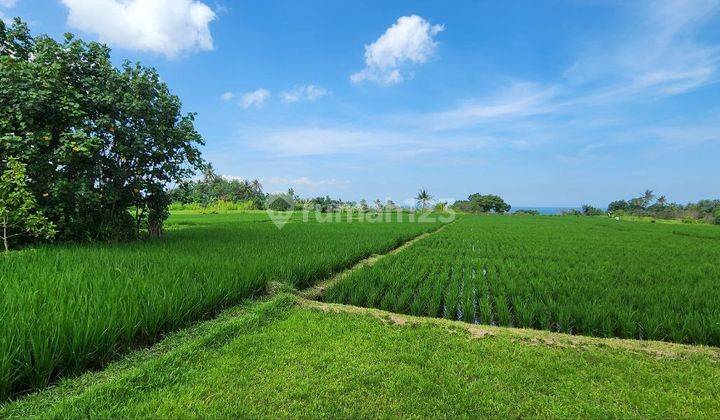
column 316, row 292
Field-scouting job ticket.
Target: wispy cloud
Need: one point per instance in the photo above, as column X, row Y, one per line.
column 661, row 55
column 227, row 96
column 307, row 141
column 307, row 93
column 304, row 181
column 255, row 98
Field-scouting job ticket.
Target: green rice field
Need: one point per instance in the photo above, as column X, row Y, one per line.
column 591, row 276
column 67, row 308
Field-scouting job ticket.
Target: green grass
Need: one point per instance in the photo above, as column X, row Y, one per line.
column 72, row 307
column 278, row 359
column 593, row 276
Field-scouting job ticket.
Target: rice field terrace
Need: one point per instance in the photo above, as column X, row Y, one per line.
column 67, row 308
column 590, row 276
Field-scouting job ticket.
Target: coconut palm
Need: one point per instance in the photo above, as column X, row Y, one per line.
column 423, row 199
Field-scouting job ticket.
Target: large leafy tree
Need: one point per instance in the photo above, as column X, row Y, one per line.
column 478, row 203
column 100, row 143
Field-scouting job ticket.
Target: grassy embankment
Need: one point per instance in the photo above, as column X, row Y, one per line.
column 286, row 358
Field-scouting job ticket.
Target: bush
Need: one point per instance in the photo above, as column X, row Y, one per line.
column 588, row 210
column 526, row 213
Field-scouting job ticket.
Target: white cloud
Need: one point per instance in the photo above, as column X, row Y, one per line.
column 410, row 39
column 310, row 93
column 303, row 181
column 520, row 99
column 256, row 98
column 8, row 3
column 227, row 96
column 306, row 141
column 168, row 27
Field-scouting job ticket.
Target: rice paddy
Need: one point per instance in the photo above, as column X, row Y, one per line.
column 67, row 308
column 590, row 276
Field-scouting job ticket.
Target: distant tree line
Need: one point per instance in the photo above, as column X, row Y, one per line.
column 648, row 204
column 212, row 189
column 86, row 149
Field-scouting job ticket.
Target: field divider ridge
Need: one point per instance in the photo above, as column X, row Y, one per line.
column 317, row 291
column 653, row 348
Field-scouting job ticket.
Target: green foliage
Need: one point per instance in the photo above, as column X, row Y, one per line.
column 441, row 207
column 213, row 189
column 321, row 204
column 588, row 210
column 19, row 215
column 218, row 206
column 478, row 203
column 526, row 212
column 619, row 205
column 717, row 216
column 97, row 141
column 66, row 308
column 591, row 276
column 280, row 202
column 643, row 206
column 423, row 199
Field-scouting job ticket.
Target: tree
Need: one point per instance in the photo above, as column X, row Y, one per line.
column 19, row 215
column 588, row 210
column 478, row 203
column 619, row 205
column 378, row 205
column 97, row 141
column 647, row 198
column 423, row 199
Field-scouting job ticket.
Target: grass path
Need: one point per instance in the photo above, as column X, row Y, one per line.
column 317, row 291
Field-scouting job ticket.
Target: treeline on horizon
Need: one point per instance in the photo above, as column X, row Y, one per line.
column 651, row 205
column 216, row 193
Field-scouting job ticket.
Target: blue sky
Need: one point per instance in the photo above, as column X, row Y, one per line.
column 546, row 103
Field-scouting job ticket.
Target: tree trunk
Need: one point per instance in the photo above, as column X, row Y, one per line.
column 5, row 234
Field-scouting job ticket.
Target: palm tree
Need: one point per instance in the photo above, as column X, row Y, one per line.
column 648, row 197
column 378, row 205
column 423, row 198
column 256, row 186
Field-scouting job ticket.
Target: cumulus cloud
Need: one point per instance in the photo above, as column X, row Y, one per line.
column 410, row 40
column 256, row 98
column 309, row 93
column 169, row 27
